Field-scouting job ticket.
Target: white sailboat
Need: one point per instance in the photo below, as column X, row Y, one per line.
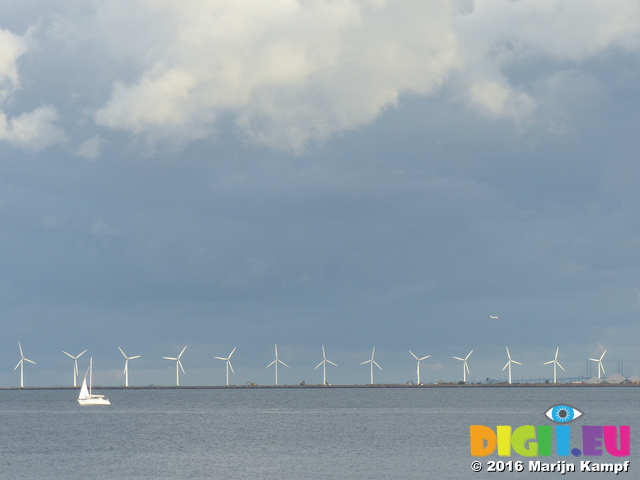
column 86, row 397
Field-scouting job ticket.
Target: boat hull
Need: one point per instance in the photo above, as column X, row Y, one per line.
column 94, row 401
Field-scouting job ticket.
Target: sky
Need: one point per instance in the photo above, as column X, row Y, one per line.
column 230, row 173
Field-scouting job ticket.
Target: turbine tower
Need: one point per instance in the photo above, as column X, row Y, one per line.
column 276, row 362
column 178, row 365
column 229, row 366
column 509, row 364
column 599, row 362
column 556, row 364
column 75, row 366
column 324, row 368
column 21, row 365
column 419, row 360
column 372, row 362
column 126, row 366
column 465, row 367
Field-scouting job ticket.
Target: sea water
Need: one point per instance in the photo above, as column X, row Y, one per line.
column 285, row 434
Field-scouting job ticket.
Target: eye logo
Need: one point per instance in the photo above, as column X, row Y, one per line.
column 562, row 413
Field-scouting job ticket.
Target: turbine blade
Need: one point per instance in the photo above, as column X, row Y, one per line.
column 424, row 358
column 185, row 347
column 602, row 366
column 467, row 357
column 218, row 358
column 18, row 365
column 376, row 364
column 506, row 365
column 234, row 349
column 170, row 358
column 557, row 350
column 181, row 367
column 508, row 354
column 516, row 362
column 280, row 361
column 231, row 367
column 30, row 361
column 414, row 355
column 69, row 354
column 368, row 361
column 320, row 364
column 603, row 353
column 561, row 366
column 20, row 346
column 122, row 352
column 593, row 359
column 467, row 367
column 82, row 352
column 458, row 358
column 334, row 364
column 270, row 364
column 137, row 356
column 547, row 363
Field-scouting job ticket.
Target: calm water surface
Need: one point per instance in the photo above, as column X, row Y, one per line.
column 283, row 434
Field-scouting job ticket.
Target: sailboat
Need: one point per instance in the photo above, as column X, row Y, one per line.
column 86, row 397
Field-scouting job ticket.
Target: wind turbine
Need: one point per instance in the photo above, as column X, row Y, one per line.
column 229, row 366
column 419, row 360
column 276, row 362
column 509, row 364
column 465, row 367
column 556, row 364
column 126, row 366
column 178, row 365
column 75, row 366
column 324, row 368
column 21, row 365
column 599, row 362
column 372, row 362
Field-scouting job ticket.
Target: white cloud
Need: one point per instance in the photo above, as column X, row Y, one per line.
column 33, row 130
column 11, row 48
column 90, row 148
column 501, row 100
column 499, row 33
column 291, row 71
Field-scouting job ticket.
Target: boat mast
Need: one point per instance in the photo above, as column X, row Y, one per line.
column 90, row 374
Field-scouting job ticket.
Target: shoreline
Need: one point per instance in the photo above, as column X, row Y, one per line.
column 390, row 385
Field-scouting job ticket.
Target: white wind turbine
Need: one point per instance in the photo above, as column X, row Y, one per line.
column 599, row 362
column 372, row 362
column 178, row 365
column 324, row 368
column 465, row 367
column 229, row 366
column 126, row 366
column 509, row 364
column 75, row 366
column 419, row 360
column 276, row 362
column 21, row 365
column 556, row 364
